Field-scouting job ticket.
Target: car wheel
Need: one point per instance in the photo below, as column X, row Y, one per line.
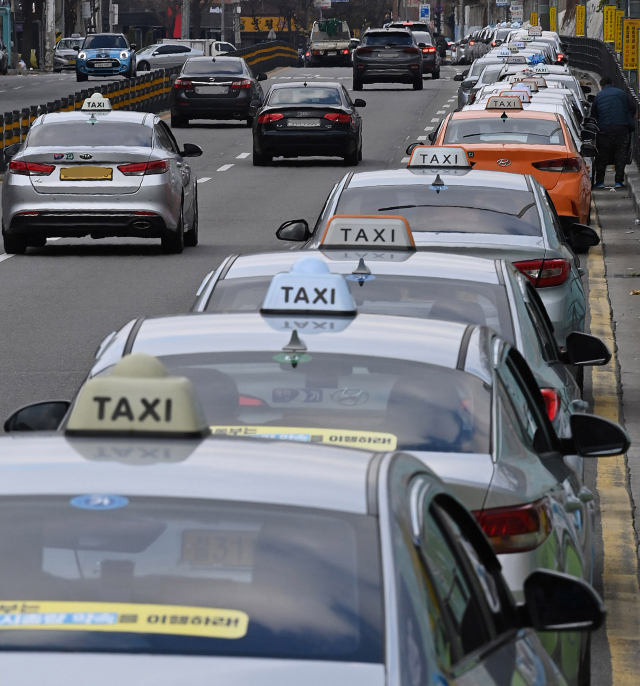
column 144, row 66
column 436, row 74
column 173, row 241
column 179, row 121
column 191, row 237
column 357, row 84
column 417, row 83
column 14, row 245
column 351, row 159
column 249, row 122
column 261, row 160
column 81, row 77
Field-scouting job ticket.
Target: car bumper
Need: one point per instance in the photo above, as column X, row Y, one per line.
column 311, row 143
column 392, row 73
column 211, row 108
column 123, row 68
column 566, row 307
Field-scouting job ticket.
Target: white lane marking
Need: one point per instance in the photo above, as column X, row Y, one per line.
column 204, row 179
column 436, row 119
column 439, row 112
column 404, row 159
column 5, row 257
column 428, row 128
column 224, row 167
column 422, row 138
column 57, row 238
column 15, row 88
column 243, row 155
column 446, row 105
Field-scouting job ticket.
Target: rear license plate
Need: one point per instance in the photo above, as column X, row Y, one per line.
column 205, row 548
column 102, row 65
column 212, row 90
column 332, row 53
column 82, row 173
column 304, row 123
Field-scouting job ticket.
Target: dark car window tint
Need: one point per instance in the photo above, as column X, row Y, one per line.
column 209, row 67
column 548, row 343
column 460, row 209
column 495, row 130
column 422, row 37
column 287, row 582
column 104, row 41
column 391, row 39
column 78, row 133
column 305, row 96
column 489, row 75
column 163, row 138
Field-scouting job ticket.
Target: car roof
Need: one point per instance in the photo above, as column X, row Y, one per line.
column 114, row 116
column 221, row 58
column 247, row 470
column 493, row 114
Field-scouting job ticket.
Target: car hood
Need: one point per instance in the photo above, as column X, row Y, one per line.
column 104, row 52
column 73, row 669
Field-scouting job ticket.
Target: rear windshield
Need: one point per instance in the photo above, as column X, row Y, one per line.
column 422, row 37
column 388, row 39
column 108, row 41
column 467, row 302
column 497, row 130
column 188, row 576
column 489, row 75
column 74, row 133
column 305, row 96
column 459, row 209
column 212, row 68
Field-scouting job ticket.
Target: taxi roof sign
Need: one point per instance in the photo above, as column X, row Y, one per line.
column 309, row 288
column 138, row 399
column 504, row 52
column 96, row 103
column 541, row 69
column 504, row 102
column 535, row 31
column 517, row 59
column 438, row 157
column 522, row 94
column 386, row 232
column 535, row 83
column 513, row 47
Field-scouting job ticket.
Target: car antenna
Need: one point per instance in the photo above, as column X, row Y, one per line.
column 503, row 116
column 295, row 345
column 438, row 185
column 362, row 271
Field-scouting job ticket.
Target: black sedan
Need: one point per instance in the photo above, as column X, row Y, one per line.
column 303, row 120
column 215, row 88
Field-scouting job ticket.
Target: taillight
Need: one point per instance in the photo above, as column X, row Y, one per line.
column 30, row 168
column 183, row 83
column 144, row 168
column 340, row 118
column 412, row 51
column 551, row 402
column 516, row 529
column 306, row 54
column 428, row 49
column 564, row 164
column 560, row 56
column 269, row 116
column 544, row 273
column 471, row 42
column 240, row 85
column 250, row 401
column 493, row 44
column 345, row 51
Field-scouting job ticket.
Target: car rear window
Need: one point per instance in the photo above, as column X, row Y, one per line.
column 467, row 302
column 458, row 209
column 188, row 576
column 513, row 130
column 78, row 133
column 305, row 96
column 388, row 39
column 489, row 75
column 212, row 67
column 102, row 41
column 422, row 37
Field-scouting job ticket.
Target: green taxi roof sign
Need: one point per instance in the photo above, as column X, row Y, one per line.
column 377, row 232
column 138, row 398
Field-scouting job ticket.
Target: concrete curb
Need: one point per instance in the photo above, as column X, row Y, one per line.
column 632, row 179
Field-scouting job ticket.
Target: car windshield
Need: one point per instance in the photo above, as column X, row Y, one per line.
column 383, row 39
column 213, row 67
column 104, row 41
column 467, row 302
column 189, row 576
column 501, row 34
column 458, row 209
column 512, row 130
column 77, row 133
column 69, row 43
column 339, row 399
column 305, row 96
column 489, row 75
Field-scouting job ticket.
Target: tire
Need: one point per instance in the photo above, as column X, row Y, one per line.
column 351, row 159
column 81, row 77
column 14, row 245
column 260, row 160
column 249, row 122
column 179, row 122
column 144, row 66
column 173, row 241
column 357, row 84
column 417, row 84
column 191, row 237
column 435, row 74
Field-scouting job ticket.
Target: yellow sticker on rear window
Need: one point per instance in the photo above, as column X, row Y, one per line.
column 365, row 440
column 128, row 617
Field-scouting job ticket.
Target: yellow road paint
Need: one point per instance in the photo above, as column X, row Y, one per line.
column 620, row 577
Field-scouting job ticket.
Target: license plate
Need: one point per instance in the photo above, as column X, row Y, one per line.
column 85, row 173
column 212, row 90
column 385, row 55
column 102, row 65
column 304, row 123
column 205, row 548
column 332, row 52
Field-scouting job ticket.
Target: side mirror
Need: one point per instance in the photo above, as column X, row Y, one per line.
column 458, row 77
column 585, row 350
column 588, row 150
column 133, row 46
column 559, row 602
column 432, row 136
column 468, row 83
column 465, row 73
column 581, row 236
column 173, row 77
column 43, row 416
column 591, row 98
column 261, row 77
column 191, row 150
column 294, row 230
column 359, row 102
column 586, row 89
column 587, row 135
column 76, row 48
column 411, row 147
column 590, row 120
column 11, row 150
column 593, row 436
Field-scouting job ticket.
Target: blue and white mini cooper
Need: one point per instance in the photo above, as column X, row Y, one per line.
column 106, row 54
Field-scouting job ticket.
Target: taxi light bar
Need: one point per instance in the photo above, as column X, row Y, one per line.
column 243, row 84
column 498, row 102
column 377, row 232
column 144, row 168
column 183, row 84
column 338, row 117
column 516, row 529
column 551, row 402
column 431, row 49
column 269, row 117
column 544, row 273
column 30, row 168
column 564, row 164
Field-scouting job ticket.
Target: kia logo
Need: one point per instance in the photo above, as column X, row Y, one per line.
column 504, row 163
column 85, row 156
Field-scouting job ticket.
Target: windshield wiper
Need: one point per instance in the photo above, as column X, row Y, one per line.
column 399, row 207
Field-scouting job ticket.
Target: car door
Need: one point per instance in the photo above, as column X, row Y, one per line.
column 349, row 103
column 178, row 55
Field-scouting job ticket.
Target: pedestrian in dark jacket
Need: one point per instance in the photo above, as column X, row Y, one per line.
column 614, row 111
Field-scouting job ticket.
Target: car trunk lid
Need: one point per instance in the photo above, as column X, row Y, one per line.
column 309, row 118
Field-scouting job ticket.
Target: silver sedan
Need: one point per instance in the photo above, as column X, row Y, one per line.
column 121, row 175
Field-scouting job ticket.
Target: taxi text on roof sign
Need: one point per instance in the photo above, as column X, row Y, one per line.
column 96, row 103
column 438, row 157
column 363, row 231
column 523, row 95
column 499, row 102
column 309, row 288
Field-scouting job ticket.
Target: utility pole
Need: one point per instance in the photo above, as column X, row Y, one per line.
column 222, row 20
column 185, row 19
column 236, row 25
column 49, row 34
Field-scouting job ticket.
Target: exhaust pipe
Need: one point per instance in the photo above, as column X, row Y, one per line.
column 141, row 225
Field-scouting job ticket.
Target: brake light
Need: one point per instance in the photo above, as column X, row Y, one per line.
column 338, row 117
column 412, row 51
column 240, row 85
column 428, row 49
column 345, row 51
column 544, row 273
column 144, row 168
column 564, row 164
column 560, row 56
column 185, row 84
column 30, row 168
column 364, row 51
column 471, row 42
column 493, row 44
column 516, row 529
column 249, row 401
column 269, row 117
column 551, row 402
column 306, row 54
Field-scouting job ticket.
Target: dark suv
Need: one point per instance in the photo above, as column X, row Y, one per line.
column 387, row 56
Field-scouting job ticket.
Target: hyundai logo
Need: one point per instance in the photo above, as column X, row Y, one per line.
column 504, row 163
column 350, row 396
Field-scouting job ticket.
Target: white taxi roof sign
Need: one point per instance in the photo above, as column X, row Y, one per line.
column 504, row 52
column 523, row 95
column 376, row 232
column 513, row 47
column 535, row 83
column 96, row 103
column 541, row 69
column 506, row 102
column 438, row 157
column 526, row 39
column 519, row 44
column 309, row 288
column 138, row 398
column 517, row 59
column 535, row 31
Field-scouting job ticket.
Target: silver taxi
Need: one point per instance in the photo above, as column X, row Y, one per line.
column 99, row 173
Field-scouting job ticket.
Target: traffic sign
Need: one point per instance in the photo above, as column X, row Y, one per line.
column 425, row 12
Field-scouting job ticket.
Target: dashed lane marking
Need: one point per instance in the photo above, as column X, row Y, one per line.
column 435, row 119
column 428, row 128
column 422, row 138
column 446, row 105
column 243, row 155
column 204, row 179
column 224, row 167
column 439, row 112
column 404, row 159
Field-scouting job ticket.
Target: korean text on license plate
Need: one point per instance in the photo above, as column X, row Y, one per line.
column 304, row 123
column 212, row 90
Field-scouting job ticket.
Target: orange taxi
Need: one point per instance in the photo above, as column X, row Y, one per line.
column 505, row 137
